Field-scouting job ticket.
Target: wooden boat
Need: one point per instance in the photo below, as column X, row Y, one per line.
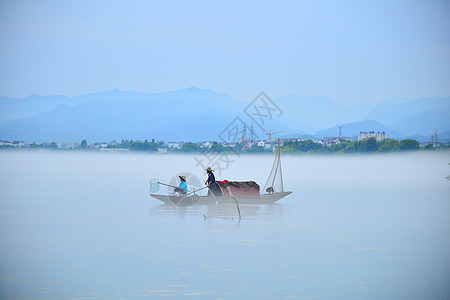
column 271, row 193
column 205, row 200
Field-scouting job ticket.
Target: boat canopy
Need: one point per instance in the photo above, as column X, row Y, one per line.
column 239, row 188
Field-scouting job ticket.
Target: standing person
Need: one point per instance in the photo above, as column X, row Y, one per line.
column 212, row 184
column 182, row 188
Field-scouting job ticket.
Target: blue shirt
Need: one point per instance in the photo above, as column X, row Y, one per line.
column 183, row 186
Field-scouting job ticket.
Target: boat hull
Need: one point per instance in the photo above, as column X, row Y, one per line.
column 205, row 200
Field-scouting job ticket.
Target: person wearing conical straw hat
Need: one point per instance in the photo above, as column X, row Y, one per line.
column 182, row 188
column 212, row 184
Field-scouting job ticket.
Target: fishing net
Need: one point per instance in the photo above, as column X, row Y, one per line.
column 154, row 186
column 192, row 181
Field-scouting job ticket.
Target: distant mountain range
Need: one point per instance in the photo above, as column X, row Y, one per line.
column 197, row 115
column 353, row 129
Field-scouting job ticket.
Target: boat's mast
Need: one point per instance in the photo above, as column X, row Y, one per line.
column 276, row 168
column 279, row 162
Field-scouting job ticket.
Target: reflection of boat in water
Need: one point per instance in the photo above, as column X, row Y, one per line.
column 244, row 192
column 223, row 210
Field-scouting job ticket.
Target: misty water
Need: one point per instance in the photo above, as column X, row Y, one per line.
column 82, row 225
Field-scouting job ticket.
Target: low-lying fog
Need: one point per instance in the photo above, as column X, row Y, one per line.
column 79, row 224
column 107, row 172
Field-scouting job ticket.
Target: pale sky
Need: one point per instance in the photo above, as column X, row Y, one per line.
column 351, row 51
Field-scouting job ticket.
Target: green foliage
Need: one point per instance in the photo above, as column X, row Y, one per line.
column 292, row 146
column 52, row 145
column 255, row 150
column 408, row 145
column 137, row 146
column 190, row 147
column 342, row 147
column 389, row 145
column 302, row 146
column 217, row 148
column 239, row 148
column 350, row 148
column 145, row 146
column 368, row 145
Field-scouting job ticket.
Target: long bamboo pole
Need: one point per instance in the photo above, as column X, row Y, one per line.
column 237, row 203
column 168, row 185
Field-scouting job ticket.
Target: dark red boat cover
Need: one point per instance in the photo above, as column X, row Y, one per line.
column 239, row 188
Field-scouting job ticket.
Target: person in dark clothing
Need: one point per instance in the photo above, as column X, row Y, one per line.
column 214, row 188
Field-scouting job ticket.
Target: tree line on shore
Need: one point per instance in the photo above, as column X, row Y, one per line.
column 370, row 145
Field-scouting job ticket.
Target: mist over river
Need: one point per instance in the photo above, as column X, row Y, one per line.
column 82, row 225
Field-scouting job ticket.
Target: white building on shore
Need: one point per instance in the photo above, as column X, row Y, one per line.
column 173, row 145
column 14, row 144
column 379, row 136
column 66, row 145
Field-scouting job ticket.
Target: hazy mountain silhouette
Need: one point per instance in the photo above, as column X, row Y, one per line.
column 393, row 112
column 319, row 112
column 189, row 114
column 353, row 129
column 424, row 123
column 194, row 114
column 11, row 108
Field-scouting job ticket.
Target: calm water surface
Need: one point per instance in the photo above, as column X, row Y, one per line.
column 83, row 226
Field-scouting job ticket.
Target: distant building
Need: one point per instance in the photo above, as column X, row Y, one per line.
column 99, row 145
column 207, row 144
column 242, row 140
column 435, row 138
column 274, row 144
column 6, row 143
column 20, row 144
column 333, row 140
column 229, row 144
column 114, row 150
column 66, row 145
column 379, row 136
column 50, row 145
column 173, row 145
column 14, row 144
column 248, row 144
